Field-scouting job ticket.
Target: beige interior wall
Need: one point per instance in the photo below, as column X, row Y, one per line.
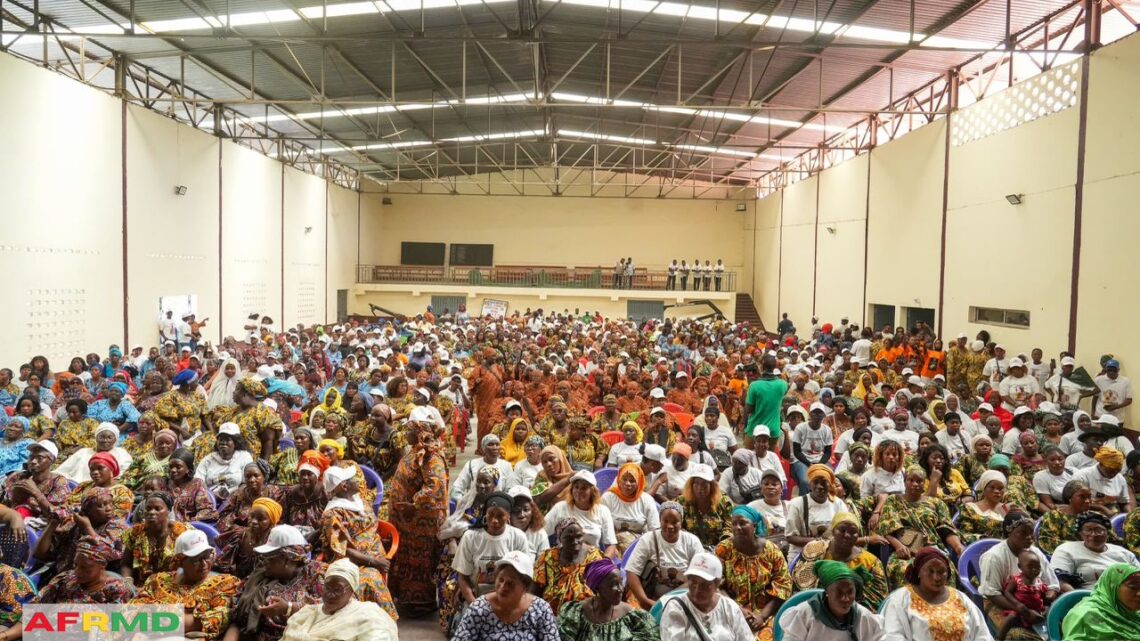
column 840, row 236
column 304, row 243
column 343, row 219
column 544, row 230
column 1013, row 257
column 766, row 271
column 61, row 215
column 905, row 220
column 173, row 240
column 1110, row 263
column 372, row 213
column 798, row 216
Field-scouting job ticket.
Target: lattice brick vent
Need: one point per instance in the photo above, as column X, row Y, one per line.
column 254, row 298
column 306, row 296
column 56, row 322
column 1033, row 98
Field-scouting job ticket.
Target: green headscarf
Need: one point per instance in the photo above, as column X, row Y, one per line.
column 1100, row 616
column 999, row 462
column 828, row 573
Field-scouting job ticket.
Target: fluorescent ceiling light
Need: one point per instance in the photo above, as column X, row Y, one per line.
column 572, row 133
column 721, row 151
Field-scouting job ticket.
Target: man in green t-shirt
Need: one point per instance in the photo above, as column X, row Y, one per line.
column 763, row 402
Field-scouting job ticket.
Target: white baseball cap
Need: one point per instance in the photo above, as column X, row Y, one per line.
column 230, row 428
column 907, row 371
column 281, row 536
column 705, row 566
column 520, row 561
column 1068, row 360
column 914, row 380
column 682, row 375
column 987, row 407
column 1016, row 362
column 191, row 543
column 655, row 452
column 703, row 472
column 512, row 403
column 656, row 392
column 584, row 475
column 818, row 406
column 657, row 410
column 1108, row 419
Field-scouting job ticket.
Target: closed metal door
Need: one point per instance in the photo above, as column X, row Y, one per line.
column 341, row 305
column 446, row 304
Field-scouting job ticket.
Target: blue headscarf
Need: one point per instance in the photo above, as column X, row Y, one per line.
column 752, row 515
column 122, row 387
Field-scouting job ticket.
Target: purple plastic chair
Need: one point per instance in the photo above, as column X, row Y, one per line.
column 605, row 477
column 970, row 566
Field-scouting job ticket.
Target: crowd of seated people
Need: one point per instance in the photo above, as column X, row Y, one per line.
column 675, row 480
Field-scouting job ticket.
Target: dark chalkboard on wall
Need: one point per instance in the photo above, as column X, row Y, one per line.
column 468, row 255
column 422, row 253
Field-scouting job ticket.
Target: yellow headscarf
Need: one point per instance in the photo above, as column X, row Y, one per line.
column 636, row 428
column 271, row 507
column 1111, row 458
column 333, row 444
column 513, row 452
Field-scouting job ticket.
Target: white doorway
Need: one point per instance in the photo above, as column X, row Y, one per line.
column 177, row 305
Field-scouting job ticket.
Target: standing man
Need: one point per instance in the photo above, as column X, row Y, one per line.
column 684, row 269
column 629, row 273
column 619, row 272
column 785, row 326
column 166, row 327
column 762, row 404
column 671, row 281
column 1114, row 392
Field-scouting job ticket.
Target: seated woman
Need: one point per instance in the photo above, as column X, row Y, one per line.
column 339, row 616
column 740, row 482
column 95, row 519
column 104, row 470
column 514, row 442
column 912, row 520
column 237, row 545
column 206, row 596
column 305, row 502
column 554, row 478
column 39, row 491
column 755, row 572
column 558, row 572
column 975, row 463
column 192, row 501
column 76, row 431
column 1060, row 524
column 943, row 481
column 106, row 440
column 155, row 462
column 1019, row 492
column 284, row 575
column 720, row 615
column 838, row 613
column 1049, row 483
column 1000, row 563
column 1111, row 612
column 1108, row 485
column 510, row 612
column 930, row 606
column 810, row 515
column 982, row 518
column 141, row 442
column 633, row 510
column 334, row 452
column 14, row 446
column 771, row 505
column 1079, row 564
column 669, row 550
column 88, row 582
column 222, row 469
column 348, row 529
column 584, row 504
column 603, row 616
column 148, row 547
column 846, row 528
column 584, row 449
column 708, row 512
column 629, row 450
column 528, row 519
column 465, row 477
column 235, row 511
column 487, row 541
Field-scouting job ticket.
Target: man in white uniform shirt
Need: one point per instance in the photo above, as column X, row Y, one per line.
column 1114, row 392
column 1062, row 390
column 861, row 349
column 1019, row 388
column 997, row 367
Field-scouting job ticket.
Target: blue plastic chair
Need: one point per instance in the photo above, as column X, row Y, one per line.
column 71, row 485
column 628, row 554
column 794, row 600
column 1118, row 524
column 211, row 531
column 605, row 477
column 373, row 481
column 659, row 607
column 969, row 566
column 1037, row 531
column 1059, row 609
column 33, row 539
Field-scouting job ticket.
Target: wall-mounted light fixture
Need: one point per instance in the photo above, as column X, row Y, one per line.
column 1014, row 199
column 180, row 190
column 831, row 230
column 308, row 230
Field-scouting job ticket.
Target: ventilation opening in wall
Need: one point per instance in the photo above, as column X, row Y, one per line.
column 916, row 315
column 1015, row 318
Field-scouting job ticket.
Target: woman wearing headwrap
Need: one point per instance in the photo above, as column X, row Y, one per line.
column 514, row 444
column 554, row 478
column 1000, row 563
column 612, row 418
column 846, row 529
column 629, row 449
column 113, row 408
column 192, row 501
column 977, row 461
column 603, row 616
column 559, row 573
column 89, row 581
column 14, row 446
column 104, row 471
column 148, row 547
column 183, row 409
column 836, row 614
column 235, row 512
column 237, row 545
column 348, row 530
column 305, row 502
column 76, row 431
column 222, row 469
column 912, row 520
column 810, row 515
column 1109, row 486
column 473, row 566
column 418, row 507
column 96, row 518
column 334, row 452
column 490, row 446
column 376, row 442
column 929, row 607
column 1080, row 563
column 1111, row 612
column 284, row 580
column 106, row 440
column 584, row 449
column 755, row 571
column 260, row 426
column 206, row 596
column 669, row 549
column 339, row 616
column 528, row 469
column 220, row 389
column 330, row 403
column 634, row 512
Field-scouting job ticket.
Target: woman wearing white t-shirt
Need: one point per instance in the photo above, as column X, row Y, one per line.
column 527, row 518
column 670, row 548
column 762, row 457
column 528, row 468
column 809, row 516
column 1080, row 563
column 771, row 504
column 585, row 505
column 634, row 512
column 740, row 482
column 1049, row 483
column 489, row 539
column 886, row 474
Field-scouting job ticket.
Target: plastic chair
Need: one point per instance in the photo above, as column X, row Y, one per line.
column 605, row 477
column 612, row 437
column 211, row 532
column 373, row 481
column 628, row 554
column 794, row 600
column 684, row 420
column 594, row 411
column 33, row 539
column 672, row 408
column 71, row 485
column 1059, row 609
column 391, row 538
column 659, row 607
column 1118, row 524
column 969, row 566
column 1037, row 530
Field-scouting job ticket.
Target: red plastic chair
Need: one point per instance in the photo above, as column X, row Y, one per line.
column 594, row 411
column 612, row 437
column 391, row 538
column 672, row 408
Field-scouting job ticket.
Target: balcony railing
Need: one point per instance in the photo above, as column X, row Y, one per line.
column 595, row 277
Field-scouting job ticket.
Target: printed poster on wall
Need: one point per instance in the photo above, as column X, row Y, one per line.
column 494, row 308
